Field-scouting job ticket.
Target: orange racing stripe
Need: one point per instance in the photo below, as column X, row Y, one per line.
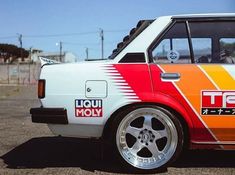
column 192, row 81
column 225, row 124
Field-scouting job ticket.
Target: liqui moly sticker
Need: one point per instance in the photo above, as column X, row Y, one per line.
column 88, row 108
column 218, row 103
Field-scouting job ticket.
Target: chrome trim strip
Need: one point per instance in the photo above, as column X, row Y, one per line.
column 215, row 143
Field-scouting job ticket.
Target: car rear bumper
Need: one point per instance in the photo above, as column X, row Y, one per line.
column 49, row 115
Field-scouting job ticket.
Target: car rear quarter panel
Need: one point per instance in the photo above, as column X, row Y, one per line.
column 66, row 82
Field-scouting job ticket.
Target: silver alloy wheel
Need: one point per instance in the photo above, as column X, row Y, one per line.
column 147, row 137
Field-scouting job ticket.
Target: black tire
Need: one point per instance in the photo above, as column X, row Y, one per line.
column 146, row 138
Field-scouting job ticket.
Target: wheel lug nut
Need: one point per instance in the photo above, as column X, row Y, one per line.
column 146, row 144
column 139, row 137
column 141, row 141
column 151, row 140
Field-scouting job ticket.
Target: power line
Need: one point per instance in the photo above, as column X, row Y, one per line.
column 62, row 34
column 111, row 42
column 117, row 31
column 7, row 37
column 72, row 43
column 73, row 34
column 65, row 34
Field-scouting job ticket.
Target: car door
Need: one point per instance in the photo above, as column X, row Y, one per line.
column 193, row 62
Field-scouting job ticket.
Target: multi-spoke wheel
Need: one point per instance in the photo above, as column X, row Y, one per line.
column 148, row 137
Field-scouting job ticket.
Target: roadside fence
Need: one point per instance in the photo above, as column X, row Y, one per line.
column 19, row 73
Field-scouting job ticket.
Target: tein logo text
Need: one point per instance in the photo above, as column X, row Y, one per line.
column 218, row 103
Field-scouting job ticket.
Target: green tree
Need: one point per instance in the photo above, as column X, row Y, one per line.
column 8, row 51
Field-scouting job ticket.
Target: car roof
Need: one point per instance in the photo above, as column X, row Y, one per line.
column 200, row 16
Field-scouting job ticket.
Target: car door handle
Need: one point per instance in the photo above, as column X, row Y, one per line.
column 170, row 76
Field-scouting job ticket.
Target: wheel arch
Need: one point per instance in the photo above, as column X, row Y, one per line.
column 182, row 117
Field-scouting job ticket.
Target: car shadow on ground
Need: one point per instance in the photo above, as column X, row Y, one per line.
column 86, row 154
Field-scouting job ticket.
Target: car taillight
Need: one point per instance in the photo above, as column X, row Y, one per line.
column 41, row 88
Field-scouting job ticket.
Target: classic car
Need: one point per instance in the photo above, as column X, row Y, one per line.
column 168, row 86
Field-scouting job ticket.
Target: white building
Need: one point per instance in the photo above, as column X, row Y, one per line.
column 65, row 57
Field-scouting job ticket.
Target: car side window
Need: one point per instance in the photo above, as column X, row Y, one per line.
column 213, row 41
column 173, row 47
column 202, row 48
column 227, row 50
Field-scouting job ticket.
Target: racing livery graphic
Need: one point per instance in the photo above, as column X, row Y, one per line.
column 88, row 108
column 218, row 103
column 169, row 85
column 203, row 77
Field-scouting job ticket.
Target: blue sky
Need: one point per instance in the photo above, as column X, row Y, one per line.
column 76, row 23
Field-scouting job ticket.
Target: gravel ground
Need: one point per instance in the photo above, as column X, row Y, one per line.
column 28, row 148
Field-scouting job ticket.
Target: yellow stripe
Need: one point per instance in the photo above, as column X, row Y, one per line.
column 220, row 76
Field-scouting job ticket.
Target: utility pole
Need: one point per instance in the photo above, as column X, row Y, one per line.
column 21, row 44
column 30, row 60
column 61, row 46
column 60, row 51
column 102, row 42
column 21, row 56
column 87, row 53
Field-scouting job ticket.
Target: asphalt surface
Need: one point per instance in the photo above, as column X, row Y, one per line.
column 29, row 148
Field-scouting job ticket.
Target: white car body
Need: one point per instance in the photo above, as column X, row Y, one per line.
column 74, row 86
column 155, row 87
